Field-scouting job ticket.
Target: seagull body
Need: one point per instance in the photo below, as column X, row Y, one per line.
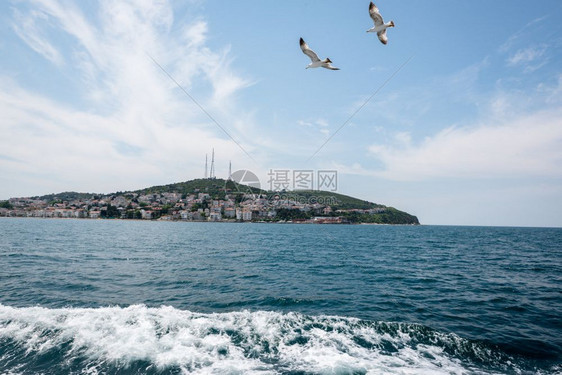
column 380, row 25
column 316, row 62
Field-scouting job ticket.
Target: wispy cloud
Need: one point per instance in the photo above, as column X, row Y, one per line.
column 408, row 105
column 28, row 28
column 131, row 122
column 522, row 50
column 511, row 42
column 320, row 125
column 527, row 55
column 531, row 58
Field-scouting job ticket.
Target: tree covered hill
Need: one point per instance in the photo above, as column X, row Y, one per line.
column 67, row 196
column 353, row 210
column 219, row 188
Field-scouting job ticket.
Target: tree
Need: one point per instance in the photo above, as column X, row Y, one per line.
column 205, row 204
column 111, row 212
column 6, row 204
column 291, row 214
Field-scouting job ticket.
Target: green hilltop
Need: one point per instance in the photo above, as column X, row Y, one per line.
column 217, row 188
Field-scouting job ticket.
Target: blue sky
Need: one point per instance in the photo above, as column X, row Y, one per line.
column 469, row 132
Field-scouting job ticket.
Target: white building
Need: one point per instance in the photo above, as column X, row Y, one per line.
column 215, row 216
column 229, row 212
column 146, row 215
column 247, row 215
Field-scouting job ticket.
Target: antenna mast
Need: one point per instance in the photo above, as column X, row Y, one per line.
column 205, row 165
column 212, row 174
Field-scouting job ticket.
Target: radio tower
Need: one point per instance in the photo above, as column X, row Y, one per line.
column 230, row 170
column 212, row 174
column 205, row 165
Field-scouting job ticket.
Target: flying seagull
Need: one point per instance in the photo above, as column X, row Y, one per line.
column 380, row 26
column 316, row 62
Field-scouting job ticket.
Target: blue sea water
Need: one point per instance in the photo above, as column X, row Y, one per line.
column 133, row 297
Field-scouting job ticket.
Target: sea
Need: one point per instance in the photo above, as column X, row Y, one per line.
column 137, row 297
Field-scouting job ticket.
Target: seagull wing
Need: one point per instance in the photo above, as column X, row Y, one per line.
column 382, row 36
column 375, row 14
column 307, row 51
column 328, row 64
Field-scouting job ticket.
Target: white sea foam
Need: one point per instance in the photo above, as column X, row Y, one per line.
column 234, row 343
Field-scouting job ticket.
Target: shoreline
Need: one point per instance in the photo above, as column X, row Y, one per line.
column 200, row 221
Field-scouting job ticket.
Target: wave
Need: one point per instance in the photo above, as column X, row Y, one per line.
column 140, row 339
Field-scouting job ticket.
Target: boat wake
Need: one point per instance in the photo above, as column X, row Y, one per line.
column 139, row 339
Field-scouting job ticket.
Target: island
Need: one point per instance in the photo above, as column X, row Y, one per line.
column 209, row 199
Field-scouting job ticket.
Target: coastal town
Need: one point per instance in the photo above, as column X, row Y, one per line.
column 201, row 204
column 172, row 206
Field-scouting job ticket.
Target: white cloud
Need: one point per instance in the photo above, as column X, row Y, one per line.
column 320, row 125
column 321, row 122
column 526, row 147
column 404, row 138
column 552, row 93
column 304, row 123
column 353, row 169
column 137, row 127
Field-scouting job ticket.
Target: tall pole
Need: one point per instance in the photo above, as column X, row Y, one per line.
column 213, row 164
column 205, row 165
